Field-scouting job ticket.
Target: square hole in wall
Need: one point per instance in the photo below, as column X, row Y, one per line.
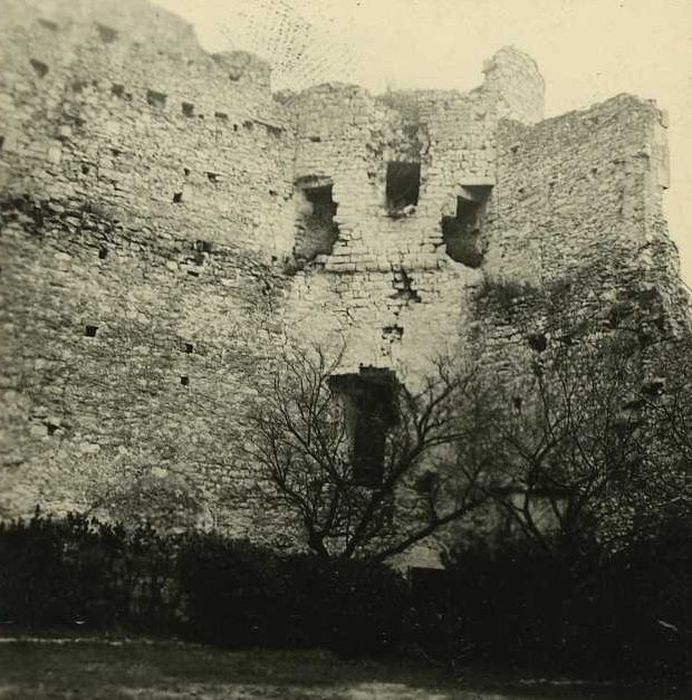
column 189, row 348
column 156, row 99
column 177, row 197
column 403, row 187
column 185, row 380
column 188, row 109
column 48, row 24
column 90, row 331
column 107, row 34
column 40, row 68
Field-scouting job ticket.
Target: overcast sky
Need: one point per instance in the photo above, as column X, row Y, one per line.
column 587, row 51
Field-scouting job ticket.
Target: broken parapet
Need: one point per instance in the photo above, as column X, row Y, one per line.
column 514, row 78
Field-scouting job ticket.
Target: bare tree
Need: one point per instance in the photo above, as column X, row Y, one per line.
column 369, row 477
column 588, row 445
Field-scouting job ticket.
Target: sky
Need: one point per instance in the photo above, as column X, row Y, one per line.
column 587, row 51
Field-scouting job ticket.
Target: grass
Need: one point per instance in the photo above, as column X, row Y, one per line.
column 119, row 670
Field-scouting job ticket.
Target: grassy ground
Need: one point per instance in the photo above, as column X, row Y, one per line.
column 123, row 670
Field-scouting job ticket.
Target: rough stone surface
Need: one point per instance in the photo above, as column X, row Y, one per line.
column 152, row 197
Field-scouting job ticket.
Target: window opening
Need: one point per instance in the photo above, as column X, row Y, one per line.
column 461, row 232
column 371, row 412
column 403, row 188
column 317, row 231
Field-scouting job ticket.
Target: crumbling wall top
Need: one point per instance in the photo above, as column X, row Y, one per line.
column 513, row 76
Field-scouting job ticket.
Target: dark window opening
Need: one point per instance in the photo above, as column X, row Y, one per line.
column 461, row 232
column 177, row 197
column 117, row 89
column 103, row 252
column 213, row 177
column 392, row 333
column 189, row 348
column 48, row 24
column 204, row 246
column 371, row 411
column 317, row 230
column 188, row 109
column 403, row 188
column 316, row 139
column 39, row 67
column 186, row 171
column 2, row 142
column 221, row 115
column 90, row 331
column 185, row 381
column 107, row 34
column 156, row 99
column 51, row 428
column 537, row 342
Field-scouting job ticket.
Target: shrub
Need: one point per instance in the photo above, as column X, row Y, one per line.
column 79, row 570
column 625, row 613
column 59, row 572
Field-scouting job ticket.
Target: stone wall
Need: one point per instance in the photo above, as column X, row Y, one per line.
column 145, row 188
column 158, row 245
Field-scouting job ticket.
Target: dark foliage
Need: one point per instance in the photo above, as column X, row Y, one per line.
column 625, row 613
column 241, row 595
column 77, row 571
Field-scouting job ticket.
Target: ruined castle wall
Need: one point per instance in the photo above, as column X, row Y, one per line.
column 135, row 327
column 388, row 290
column 578, row 203
column 124, row 107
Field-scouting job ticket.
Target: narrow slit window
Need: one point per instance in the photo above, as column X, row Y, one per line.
column 403, row 187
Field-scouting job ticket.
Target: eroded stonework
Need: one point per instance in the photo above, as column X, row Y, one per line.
column 167, row 222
